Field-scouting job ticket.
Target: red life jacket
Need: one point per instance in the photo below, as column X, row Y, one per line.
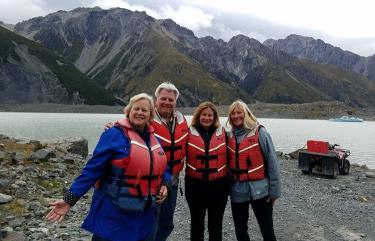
column 246, row 162
column 130, row 180
column 174, row 144
column 206, row 163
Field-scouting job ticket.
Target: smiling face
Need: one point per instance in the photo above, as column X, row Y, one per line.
column 140, row 113
column 165, row 103
column 206, row 118
column 237, row 117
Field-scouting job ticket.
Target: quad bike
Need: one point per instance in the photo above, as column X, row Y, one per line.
column 323, row 158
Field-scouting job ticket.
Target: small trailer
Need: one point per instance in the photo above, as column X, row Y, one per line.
column 323, row 158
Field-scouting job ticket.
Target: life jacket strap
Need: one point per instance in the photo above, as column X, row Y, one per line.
column 172, row 148
column 207, row 170
column 206, row 157
column 173, row 163
column 238, row 171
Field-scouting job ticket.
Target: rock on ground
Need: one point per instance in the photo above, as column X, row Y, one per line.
column 311, row 207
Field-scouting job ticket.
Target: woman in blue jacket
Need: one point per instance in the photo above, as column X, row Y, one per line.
column 128, row 169
column 254, row 171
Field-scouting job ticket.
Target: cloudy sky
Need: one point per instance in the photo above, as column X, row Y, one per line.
column 348, row 24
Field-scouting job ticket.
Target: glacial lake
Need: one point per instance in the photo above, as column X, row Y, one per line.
column 287, row 134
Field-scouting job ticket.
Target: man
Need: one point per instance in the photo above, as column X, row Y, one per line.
column 172, row 130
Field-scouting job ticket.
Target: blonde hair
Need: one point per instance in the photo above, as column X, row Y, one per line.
column 250, row 121
column 167, row 86
column 198, row 111
column 136, row 98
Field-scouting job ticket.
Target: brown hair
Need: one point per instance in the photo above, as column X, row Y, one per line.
column 199, row 110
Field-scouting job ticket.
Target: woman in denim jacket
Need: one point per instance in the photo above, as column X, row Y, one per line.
column 254, row 171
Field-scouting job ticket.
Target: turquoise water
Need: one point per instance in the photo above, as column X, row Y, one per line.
column 288, row 134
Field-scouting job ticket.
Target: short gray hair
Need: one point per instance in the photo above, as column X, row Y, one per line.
column 167, row 86
column 141, row 96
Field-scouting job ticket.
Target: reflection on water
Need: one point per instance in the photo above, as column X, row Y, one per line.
column 288, row 134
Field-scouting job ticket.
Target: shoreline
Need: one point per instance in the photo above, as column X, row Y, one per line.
column 315, row 110
column 311, row 207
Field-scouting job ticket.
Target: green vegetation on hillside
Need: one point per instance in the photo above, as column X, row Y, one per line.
column 168, row 64
column 281, row 86
column 349, row 87
column 71, row 78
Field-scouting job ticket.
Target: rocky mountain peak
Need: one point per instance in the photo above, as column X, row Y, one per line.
column 85, row 10
column 323, row 53
column 124, row 51
column 269, row 42
column 171, row 26
column 7, row 25
column 245, row 46
column 245, row 41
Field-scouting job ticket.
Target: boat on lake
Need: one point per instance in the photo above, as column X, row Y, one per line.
column 347, row 119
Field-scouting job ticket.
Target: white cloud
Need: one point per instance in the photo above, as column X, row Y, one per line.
column 259, row 36
column 190, row 17
column 261, row 19
column 106, row 4
column 12, row 11
column 225, row 33
column 341, row 18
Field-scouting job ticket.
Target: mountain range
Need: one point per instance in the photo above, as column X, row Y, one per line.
column 30, row 73
column 123, row 53
column 323, row 53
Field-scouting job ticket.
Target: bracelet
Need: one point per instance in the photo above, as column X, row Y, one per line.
column 70, row 198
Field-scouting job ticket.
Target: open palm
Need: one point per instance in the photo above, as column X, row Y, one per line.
column 59, row 209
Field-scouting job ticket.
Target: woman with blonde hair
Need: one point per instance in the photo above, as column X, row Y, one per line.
column 206, row 184
column 128, row 170
column 253, row 170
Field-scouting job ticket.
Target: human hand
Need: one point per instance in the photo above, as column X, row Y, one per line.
column 162, row 195
column 272, row 200
column 109, row 125
column 59, row 209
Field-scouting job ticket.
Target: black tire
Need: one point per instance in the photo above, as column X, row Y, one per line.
column 305, row 172
column 344, row 170
column 335, row 170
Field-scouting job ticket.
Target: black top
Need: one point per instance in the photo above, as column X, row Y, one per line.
column 206, row 134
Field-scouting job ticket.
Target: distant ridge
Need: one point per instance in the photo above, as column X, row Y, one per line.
column 30, row 73
column 323, row 53
column 128, row 52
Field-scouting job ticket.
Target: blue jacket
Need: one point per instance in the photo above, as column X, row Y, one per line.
column 104, row 219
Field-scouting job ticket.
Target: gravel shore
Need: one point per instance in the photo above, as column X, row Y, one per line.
column 311, row 207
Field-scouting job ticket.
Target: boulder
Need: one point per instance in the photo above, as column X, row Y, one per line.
column 36, row 145
column 74, row 145
column 42, row 154
column 5, row 198
column 370, row 174
column 14, row 236
column 4, row 183
column 78, row 145
column 2, row 156
column 18, row 158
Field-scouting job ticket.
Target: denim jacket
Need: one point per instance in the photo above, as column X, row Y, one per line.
column 242, row 191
